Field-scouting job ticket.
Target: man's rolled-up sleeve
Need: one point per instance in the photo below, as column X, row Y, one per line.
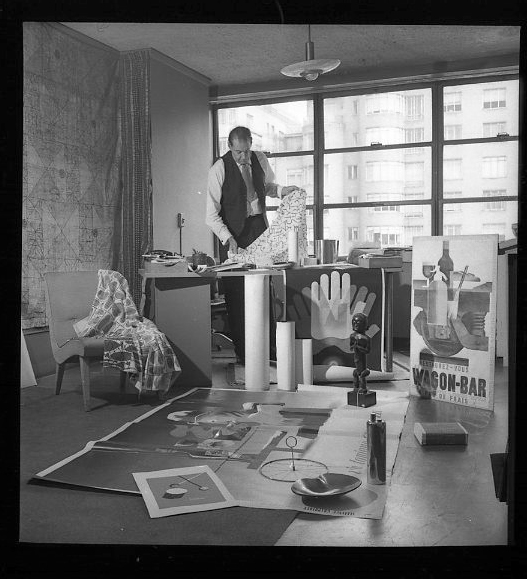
column 212, row 217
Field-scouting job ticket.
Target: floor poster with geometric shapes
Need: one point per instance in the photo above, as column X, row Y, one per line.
column 70, row 160
column 453, row 327
column 257, row 443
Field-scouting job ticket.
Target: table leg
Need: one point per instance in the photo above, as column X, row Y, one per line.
column 257, row 375
column 388, row 276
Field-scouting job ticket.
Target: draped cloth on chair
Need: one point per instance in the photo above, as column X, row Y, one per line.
column 131, row 343
column 137, row 232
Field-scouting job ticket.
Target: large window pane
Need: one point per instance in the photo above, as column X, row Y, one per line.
column 296, row 170
column 478, row 110
column 475, row 170
column 393, row 174
column 482, row 217
column 388, row 228
column 388, row 118
column 271, row 216
column 276, row 128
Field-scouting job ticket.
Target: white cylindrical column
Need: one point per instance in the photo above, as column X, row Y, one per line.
column 285, row 356
column 292, row 245
column 304, row 361
column 256, row 299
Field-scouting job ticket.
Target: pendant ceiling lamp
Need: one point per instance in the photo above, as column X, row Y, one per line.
column 310, row 69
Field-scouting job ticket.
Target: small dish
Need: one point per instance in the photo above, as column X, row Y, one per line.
column 328, row 484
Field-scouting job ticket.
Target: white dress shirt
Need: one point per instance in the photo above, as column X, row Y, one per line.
column 214, row 185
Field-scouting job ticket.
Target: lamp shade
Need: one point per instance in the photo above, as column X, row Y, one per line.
column 310, row 69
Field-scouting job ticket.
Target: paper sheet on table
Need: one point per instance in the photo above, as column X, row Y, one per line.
column 272, row 245
column 176, row 491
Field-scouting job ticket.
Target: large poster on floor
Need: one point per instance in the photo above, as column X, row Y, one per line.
column 322, row 300
column 258, row 444
column 453, row 330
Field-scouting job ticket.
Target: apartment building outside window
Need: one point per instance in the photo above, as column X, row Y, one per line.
column 414, row 172
column 353, row 233
column 414, row 135
column 499, row 228
column 413, row 210
column 385, row 103
column 494, row 98
column 452, row 102
column 384, row 135
column 494, row 167
column 413, row 231
column 452, row 169
column 352, row 171
column 344, row 176
column 452, row 207
column 494, row 205
column 381, row 197
column 415, row 105
column 493, row 129
column 452, row 229
column 384, row 235
column 294, row 176
column 453, row 132
column 384, row 171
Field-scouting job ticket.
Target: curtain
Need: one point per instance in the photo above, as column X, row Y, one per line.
column 136, row 177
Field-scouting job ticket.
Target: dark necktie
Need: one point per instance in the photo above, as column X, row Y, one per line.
column 251, row 193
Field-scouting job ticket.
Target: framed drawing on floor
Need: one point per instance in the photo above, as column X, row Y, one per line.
column 453, row 327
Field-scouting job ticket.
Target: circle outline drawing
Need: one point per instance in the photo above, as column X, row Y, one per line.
column 302, row 463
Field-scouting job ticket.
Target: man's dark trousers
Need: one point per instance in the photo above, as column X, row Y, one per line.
column 233, row 288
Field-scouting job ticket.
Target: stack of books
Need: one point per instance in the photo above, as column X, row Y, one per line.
column 428, row 433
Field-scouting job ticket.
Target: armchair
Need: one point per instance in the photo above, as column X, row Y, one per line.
column 69, row 297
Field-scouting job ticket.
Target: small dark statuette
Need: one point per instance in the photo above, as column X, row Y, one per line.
column 360, row 347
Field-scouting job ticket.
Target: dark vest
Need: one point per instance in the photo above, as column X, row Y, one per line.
column 234, row 192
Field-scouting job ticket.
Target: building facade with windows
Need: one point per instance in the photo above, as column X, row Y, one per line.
column 387, row 166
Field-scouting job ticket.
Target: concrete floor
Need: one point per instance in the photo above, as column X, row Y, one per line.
column 453, row 506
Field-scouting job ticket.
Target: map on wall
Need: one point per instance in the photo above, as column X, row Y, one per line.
column 70, row 160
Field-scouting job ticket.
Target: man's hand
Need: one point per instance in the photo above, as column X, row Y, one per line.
column 289, row 189
column 232, row 245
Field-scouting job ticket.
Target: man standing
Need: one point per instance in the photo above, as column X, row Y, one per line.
column 238, row 184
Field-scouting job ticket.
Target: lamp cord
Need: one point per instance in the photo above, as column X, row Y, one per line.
column 280, row 11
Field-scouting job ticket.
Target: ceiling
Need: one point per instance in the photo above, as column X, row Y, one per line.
column 233, row 54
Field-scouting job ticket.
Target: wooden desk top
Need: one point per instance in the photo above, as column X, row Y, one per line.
column 207, row 274
column 267, row 271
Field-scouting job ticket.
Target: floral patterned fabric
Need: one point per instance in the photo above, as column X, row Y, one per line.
column 131, row 343
column 272, row 244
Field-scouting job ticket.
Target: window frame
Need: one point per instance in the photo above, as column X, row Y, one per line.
column 436, row 144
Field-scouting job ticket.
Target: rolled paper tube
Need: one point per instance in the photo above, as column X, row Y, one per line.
column 256, row 298
column 285, row 356
column 292, row 245
column 325, row 373
column 304, row 361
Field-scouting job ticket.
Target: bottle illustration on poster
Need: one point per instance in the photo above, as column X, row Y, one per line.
column 454, row 318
